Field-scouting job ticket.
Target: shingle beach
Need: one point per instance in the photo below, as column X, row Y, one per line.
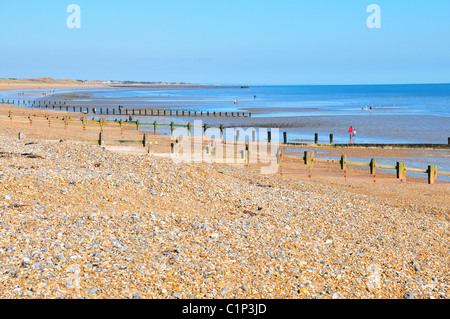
column 84, row 221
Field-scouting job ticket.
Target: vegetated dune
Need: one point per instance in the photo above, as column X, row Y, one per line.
column 44, row 80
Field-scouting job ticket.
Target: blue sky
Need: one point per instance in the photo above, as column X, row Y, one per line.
column 228, row 42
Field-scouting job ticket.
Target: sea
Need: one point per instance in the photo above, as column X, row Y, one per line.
column 412, row 113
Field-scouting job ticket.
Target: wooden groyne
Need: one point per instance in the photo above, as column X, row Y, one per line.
column 310, row 158
column 61, row 106
column 244, row 158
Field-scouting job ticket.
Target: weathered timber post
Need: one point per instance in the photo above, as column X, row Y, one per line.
column 145, row 140
column 137, row 125
column 309, row 158
column 172, row 147
column 269, row 137
column 432, row 174
column 343, row 161
column 331, row 138
column 155, row 126
column 316, row 138
column 279, row 155
column 21, row 136
column 101, row 141
column 189, row 129
column 247, row 153
column 205, row 127
column 171, row 128
column 401, row 170
column 284, row 137
column 221, row 131
column 373, row 163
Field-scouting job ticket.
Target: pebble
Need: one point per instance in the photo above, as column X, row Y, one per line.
column 303, row 238
column 224, row 292
column 176, row 295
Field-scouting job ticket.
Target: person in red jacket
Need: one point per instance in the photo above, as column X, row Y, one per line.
column 350, row 131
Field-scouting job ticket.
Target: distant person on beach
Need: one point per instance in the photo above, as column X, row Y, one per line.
column 350, row 131
column 354, row 133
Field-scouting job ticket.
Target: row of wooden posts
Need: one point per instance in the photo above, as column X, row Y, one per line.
column 140, row 112
column 309, row 159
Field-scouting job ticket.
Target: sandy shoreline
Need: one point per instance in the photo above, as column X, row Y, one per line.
column 31, row 86
column 84, row 221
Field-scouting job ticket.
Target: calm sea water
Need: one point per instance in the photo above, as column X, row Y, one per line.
column 400, row 113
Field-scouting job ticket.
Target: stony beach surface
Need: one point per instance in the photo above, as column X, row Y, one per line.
column 82, row 221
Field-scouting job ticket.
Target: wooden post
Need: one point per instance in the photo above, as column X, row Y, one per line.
column 155, row 125
column 331, row 138
column 269, row 137
column 221, row 131
column 205, row 127
column 144, row 140
column 100, row 139
column 343, row 161
column 316, row 138
column 432, row 174
column 137, row 125
column 309, row 158
column 401, row 170
column 21, row 136
column 247, row 153
column 279, row 155
column 172, row 147
column 171, row 128
column 189, row 129
column 373, row 163
column 284, row 138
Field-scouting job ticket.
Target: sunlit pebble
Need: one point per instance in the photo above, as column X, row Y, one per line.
column 203, row 234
